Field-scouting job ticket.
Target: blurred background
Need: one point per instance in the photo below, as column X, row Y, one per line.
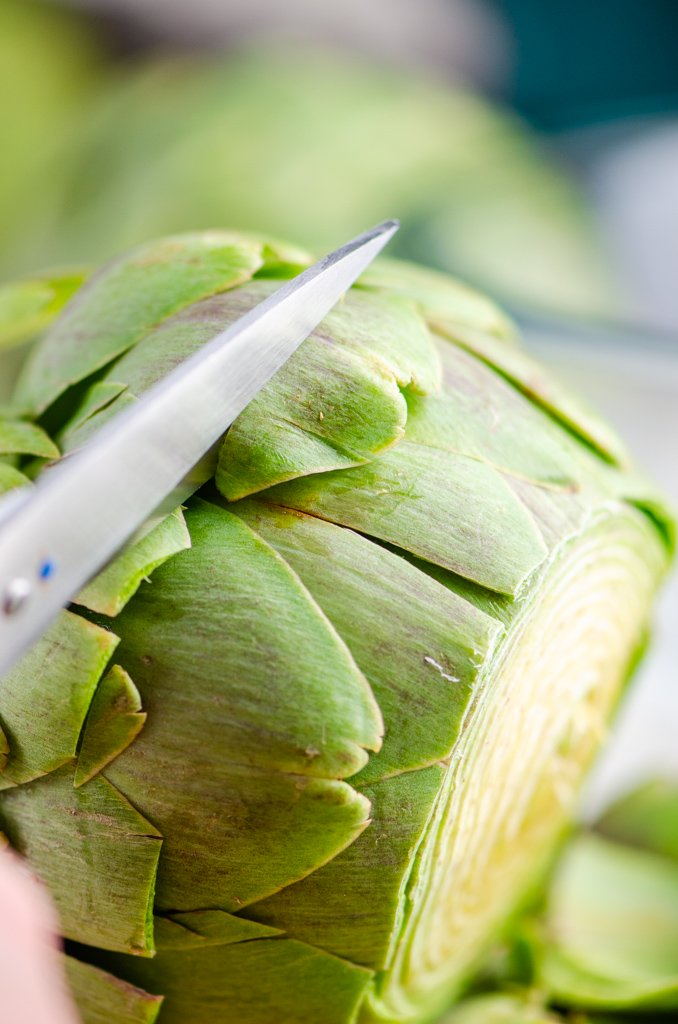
column 530, row 148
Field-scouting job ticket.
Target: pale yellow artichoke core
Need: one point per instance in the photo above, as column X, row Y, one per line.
column 550, row 690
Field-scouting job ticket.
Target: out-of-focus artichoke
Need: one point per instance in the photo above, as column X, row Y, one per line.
column 311, row 768
column 315, row 146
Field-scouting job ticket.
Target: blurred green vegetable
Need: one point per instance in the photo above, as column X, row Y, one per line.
column 27, row 307
column 49, row 65
column 607, row 940
column 312, row 768
column 315, row 146
column 612, row 929
column 646, row 818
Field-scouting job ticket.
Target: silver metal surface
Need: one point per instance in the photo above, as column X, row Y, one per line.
column 56, row 536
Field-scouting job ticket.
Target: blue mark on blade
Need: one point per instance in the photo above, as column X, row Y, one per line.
column 46, row 570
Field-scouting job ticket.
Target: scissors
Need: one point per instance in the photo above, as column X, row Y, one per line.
column 55, row 536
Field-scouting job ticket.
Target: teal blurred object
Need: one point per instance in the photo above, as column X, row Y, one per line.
column 314, row 146
column 579, row 63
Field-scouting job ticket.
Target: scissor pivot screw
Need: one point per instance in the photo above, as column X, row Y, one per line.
column 15, row 596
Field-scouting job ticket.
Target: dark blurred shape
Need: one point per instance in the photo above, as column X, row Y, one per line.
column 592, row 60
column 455, row 37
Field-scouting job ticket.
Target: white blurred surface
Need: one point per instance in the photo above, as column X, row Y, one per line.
column 637, row 389
column 634, row 185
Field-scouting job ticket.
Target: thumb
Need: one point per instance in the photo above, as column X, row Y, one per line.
column 31, row 979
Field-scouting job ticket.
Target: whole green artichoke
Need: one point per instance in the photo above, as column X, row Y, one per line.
column 310, row 768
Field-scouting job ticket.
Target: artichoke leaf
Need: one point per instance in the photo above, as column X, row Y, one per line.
column 121, row 303
column 110, row 903
column 102, row 998
column 45, row 698
column 611, row 932
column 386, row 327
column 115, row 718
column 440, row 299
column 420, row 646
column 11, row 478
column 28, row 306
column 338, row 401
column 206, row 976
column 504, row 1008
column 18, row 437
column 258, row 803
column 109, row 592
column 480, row 415
column 532, row 380
column 446, row 508
column 371, row 877
column 196, row 929
column 95, row 399
column 646, row 818
column 208, row 610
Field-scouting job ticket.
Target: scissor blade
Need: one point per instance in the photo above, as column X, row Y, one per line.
column 60, row 534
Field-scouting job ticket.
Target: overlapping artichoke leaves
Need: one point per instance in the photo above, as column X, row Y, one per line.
column 27, row 307
column 179, row 776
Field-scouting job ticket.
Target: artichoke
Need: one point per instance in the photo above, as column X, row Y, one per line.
column 317, row 146
column 609, row 937
column 306, row 746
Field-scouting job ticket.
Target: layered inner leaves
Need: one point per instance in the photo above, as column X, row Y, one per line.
column 289, row 690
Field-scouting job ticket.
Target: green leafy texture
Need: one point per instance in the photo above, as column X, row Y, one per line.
column 109, row 592
column 96, row 398
column 11, row 478
column 44, row 699
column 96, row 854
column 419, row 499
column 558, row 515
column 125, row 300
column 440, row 299
column 266, row 654
column 245, row 979
column 611, row 939
column 17, row 437
column 256, row 805
column 529, row 377
column 199, row 928
column 115, row 718
column 484, row 417
column 385, row 327
column 28, row 306
column 420, row 646
column 101, row 998
column 370, row 877
column 503, row 1008
column 498, row 823
column 646, row 818
column 337, row 402
column 478, row 326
